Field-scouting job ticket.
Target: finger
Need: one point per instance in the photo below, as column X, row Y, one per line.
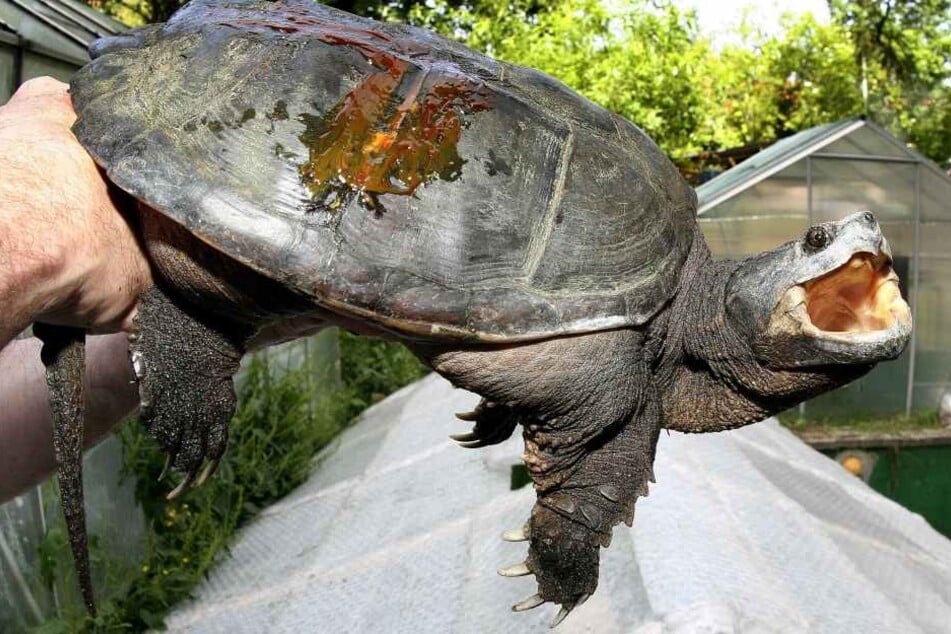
column 41, row 86
column 45, row 98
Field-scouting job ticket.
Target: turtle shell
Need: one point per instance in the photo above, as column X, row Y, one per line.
column 387, row 172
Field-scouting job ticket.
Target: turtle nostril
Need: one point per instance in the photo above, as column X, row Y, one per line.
column 869, row 217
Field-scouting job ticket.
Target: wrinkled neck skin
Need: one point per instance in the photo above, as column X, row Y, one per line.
column 704, row 367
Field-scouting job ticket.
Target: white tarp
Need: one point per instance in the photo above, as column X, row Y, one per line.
column 747, row 531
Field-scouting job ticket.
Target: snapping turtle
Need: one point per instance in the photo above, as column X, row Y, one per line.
column 293, row 162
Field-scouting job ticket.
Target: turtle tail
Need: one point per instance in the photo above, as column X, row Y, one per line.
column 64, row 355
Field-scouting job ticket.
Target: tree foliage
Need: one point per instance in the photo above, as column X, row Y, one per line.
column 904, row 49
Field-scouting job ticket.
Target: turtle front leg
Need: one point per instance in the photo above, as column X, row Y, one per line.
column 184, row 363
column 584, row 489
column 590, row 420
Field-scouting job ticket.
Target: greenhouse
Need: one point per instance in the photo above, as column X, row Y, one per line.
column 825, row 173
column 46, row 37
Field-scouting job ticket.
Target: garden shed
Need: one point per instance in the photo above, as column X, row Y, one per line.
column 46, row 37
column 825, row 173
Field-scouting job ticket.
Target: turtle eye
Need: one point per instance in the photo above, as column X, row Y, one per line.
column 818, row 237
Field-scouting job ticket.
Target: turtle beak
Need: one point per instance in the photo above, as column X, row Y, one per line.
column 853, row 313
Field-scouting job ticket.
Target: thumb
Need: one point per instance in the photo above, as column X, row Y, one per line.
column 46, row 98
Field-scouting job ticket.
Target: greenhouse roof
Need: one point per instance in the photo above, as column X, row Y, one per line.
column 790, row 150
column 62, row 29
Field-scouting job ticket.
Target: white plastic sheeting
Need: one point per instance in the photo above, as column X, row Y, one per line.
column 747, row 531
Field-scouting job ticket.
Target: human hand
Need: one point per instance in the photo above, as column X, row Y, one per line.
column 67, row 253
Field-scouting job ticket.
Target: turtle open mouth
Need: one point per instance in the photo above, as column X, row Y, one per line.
column 860, row 296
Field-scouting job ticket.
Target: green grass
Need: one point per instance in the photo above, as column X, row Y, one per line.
column 895, row 424
column 282, row 421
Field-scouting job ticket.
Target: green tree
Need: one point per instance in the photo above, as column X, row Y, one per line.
column 909, row 39
column 819, row 79
column 904, row 50
column 764, row 87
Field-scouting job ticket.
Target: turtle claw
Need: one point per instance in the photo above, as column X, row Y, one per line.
column 531, row 602
column 562, row 614
column 207, row 472
column 177, row 491
column 168, row 463
column 474, row 415
column 518, row 570
column 516, row 535
column 494, row 423
column 566, row 610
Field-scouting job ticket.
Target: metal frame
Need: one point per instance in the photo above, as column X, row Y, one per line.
column 871, row 158
column 69, row 35
column 913, row 293
column 17, row 64
column 79, row 20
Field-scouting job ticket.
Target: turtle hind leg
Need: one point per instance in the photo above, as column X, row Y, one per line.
column 64, row 355
column 590, row 419
column 184, row 362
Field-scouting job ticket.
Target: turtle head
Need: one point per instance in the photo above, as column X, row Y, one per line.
column 828, row 298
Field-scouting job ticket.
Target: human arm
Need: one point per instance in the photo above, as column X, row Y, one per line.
column 67, row 254
column 68, row 257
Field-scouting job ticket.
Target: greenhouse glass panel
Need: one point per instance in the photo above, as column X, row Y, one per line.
column 841, row 187
column 935, row 196
column 7, row 72
column 24, row 601
column 740, row 237
column 865, row 141
column 782, row 194
column 932, row 332
column 936, row 239
column 760, row 218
